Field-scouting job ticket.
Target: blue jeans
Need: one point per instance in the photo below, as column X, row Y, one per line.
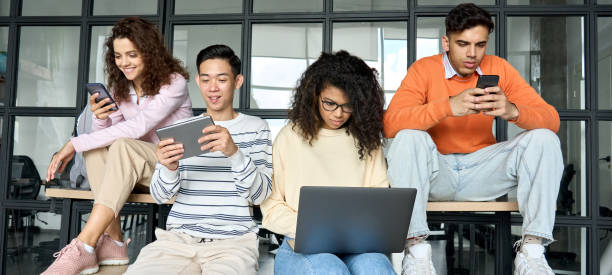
column 291, row 263
column 531, row 163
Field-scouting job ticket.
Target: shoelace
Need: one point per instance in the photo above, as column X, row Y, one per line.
column 65, row 250
column 517, row 245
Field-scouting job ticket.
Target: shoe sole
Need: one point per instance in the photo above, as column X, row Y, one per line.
column 90, row 270
column 115, row 262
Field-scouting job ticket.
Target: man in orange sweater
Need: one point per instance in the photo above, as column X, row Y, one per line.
column 443, row 144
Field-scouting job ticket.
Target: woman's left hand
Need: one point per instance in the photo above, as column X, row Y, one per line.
column 60, row 159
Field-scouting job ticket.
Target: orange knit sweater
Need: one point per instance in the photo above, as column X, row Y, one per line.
column 422, row 102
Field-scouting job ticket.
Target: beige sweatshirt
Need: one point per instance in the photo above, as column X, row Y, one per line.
column 332, row 160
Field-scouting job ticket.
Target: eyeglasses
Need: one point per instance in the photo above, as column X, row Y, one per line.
column 331, row 106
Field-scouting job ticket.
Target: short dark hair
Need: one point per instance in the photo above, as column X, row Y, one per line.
column 466, row 16
column 219, row 52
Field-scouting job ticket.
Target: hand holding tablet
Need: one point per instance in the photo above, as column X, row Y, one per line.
column 184, row 133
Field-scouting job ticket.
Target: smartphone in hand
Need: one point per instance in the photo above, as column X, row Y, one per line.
column 99, row 88
column 487, row 80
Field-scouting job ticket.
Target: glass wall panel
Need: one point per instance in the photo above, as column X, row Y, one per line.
column 429, row 37
column 207, row 6
column 604, row 2
column 548, row 52
column 568, row 254
column 604, row 63
column 5, row 7
column 452, row 2
column 383, row 45
column 605, row 170
column 287, row 6
column 97, row 49
column 48, row 63
column 572, row 199
column 605, row 251
column 545, row 2
column 35, row 141
column 462, row 248
column 189, row 40
column 275, row 126
column 3, row 59
column 370, row 5
column 280, row 54
column 32, row 236
column 120, row 7
column 51, row 7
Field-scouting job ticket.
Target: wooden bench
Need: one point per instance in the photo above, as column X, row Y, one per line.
column 502, row 211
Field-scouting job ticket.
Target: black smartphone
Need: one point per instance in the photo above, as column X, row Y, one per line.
column 487, row 80
column 99, row 88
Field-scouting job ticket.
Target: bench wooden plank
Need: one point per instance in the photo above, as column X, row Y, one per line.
column 450, row 206
column 88, row 195
column 472, row 206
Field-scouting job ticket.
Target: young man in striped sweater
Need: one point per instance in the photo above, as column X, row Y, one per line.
column 209, row 228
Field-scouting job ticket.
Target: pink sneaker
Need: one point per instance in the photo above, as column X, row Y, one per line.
column 109, row 253
column 73, row 259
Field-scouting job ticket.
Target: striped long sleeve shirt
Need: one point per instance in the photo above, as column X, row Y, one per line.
column 213, row 192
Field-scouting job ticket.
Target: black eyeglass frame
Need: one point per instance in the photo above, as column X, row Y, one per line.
column 335, row 106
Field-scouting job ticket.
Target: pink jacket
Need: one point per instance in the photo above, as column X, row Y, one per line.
column 139, row 121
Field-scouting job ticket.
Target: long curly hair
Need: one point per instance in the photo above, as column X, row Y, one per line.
column 360, row 85
column 159, row 64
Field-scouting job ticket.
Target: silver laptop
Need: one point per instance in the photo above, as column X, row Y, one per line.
column 349, row 220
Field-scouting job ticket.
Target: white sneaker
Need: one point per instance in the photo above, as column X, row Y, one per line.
column 412, row 265
column 525, row 265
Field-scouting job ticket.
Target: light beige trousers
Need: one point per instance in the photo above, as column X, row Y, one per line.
column 180, row 253
column 116, row 170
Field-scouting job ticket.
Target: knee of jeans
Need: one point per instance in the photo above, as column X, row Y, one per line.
column 409, row 138
column 544, row 137
column 329, row 264
column 371, row 263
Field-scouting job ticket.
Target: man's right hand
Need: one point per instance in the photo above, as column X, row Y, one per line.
column 100, row 112
column 168, row 153
column 465, row 102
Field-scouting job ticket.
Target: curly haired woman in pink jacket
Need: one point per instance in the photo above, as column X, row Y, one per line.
column 149, row 86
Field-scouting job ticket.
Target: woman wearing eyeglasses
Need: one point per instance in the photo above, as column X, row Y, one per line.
column 333, row 139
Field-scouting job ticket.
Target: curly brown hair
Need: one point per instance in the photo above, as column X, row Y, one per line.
column 159, row 64
column 360, row 85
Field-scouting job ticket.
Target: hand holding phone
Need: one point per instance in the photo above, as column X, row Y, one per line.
column 98, row 88
column 486, row 81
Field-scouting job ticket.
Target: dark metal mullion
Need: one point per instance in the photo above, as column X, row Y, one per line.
column 592, row 147
column 247, row 30
column 267, row 113
column 328, row 27
column 411, row 34
column 38, row 111
column 163, row 14
column 82, row 71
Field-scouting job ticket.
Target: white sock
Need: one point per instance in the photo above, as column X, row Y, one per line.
column 533, row 250
column 88, row 248
column 118, row 243
column 419, row 250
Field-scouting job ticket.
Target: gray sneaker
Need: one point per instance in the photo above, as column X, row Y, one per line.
column 412, row 265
